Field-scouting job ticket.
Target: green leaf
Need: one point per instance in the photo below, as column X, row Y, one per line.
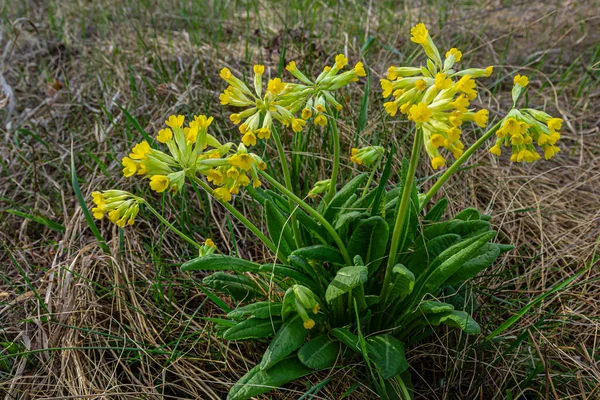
column 279, row 229
column 451, row 259
column 468, row 214
column 437, row 211
column 307, row 222
column 321, row 252
column 345, row 280
column 278, row 200
column 39, row 219
column 484, row 258
column 464, row 229
column 239, row 287
column 347, row 337
column 283, row 272
column 253, row 328
column 133, row 121
column 220, row 262
column 418, row 261
column 257, row 381
column 433, row 307
column 320, row 352
column 260, row 309
column 387, row 353
column 314, row 270
column 288, row 338
column 346, row 218
column 342, row 196
column 369, row 240
column 403, row 284
column 455, row 319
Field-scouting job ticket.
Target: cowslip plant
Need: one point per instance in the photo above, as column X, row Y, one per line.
column 363, row 269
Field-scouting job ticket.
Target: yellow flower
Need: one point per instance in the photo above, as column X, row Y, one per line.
column 164, row 135
column 306, row 113
column 210, row 243
column 454, row 51
column 249, row 139
column 420, row 113
column 140, row 151
column 441, row 82
column 215, row 176
column 438, row 162
column 466, row 85
column 222, row 194
column 275, row 86
column 130, row 167
column 225, row 73
column 387, row 87
column 291, row 66
column 175, row 121
column 359, row 69
column 481, row 118
column 420, row 84
column 391, row 107
column 159, row 183
column 521, row 80
column 259, row 69
column 419, row 34
column 496, row 149
column 555, row 124
column 242, row 161
column 309, row 324
column 320, row 120
column 298, row 124
column 550, row 151
column 256, row 183
column 437, row 140
column 489, row 70
column 340, row 61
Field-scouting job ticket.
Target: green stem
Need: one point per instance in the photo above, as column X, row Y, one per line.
column 288, row 185
column 452, row 169
column 169, row 225
column 402, row 212
column 244, row 221
column 313, row 214
column 336, row 157
column 368, row 184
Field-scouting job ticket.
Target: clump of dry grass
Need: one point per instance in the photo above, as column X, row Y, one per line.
column 76, row 322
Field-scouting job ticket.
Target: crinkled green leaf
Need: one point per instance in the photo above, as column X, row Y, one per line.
column 369, row 240
column 484, row 258
column 253, row 328
column 239, row 287
column 260, row 309
column 342, row 196
column 288, row 338
column 387, row 353
column 345, row 280
column 321, row 252
column 402, row 285
column 320, row 352
column 257, row 381
column 279, row 229
column 455, row 319
column 220, row 262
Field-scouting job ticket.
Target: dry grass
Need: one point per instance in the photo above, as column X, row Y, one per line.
column 80, row 323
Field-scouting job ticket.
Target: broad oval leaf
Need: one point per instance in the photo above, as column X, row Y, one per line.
column 468, row 214
column 345, row 280
column 342, row 196
column 320, row 352
column 403, row 284
column 347, row 337
column 321, row 252
column 484, row 258
column 418, row 261
column 464, row 229
column 253, row 328
column 260, row 309
column 239, row 287
column 455, row 319
column 434, row 307
column 369, row 240
column 283, row 271
column 288, row 338
column 257, row 381
column 451, row 260
column 436, row 212
column 387, row 353
column 220, row 262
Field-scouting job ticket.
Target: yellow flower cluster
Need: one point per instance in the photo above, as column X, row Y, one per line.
column 521, row 129
column 120, row 206
column 192, row 150
column 282, row 101
column 436, row 97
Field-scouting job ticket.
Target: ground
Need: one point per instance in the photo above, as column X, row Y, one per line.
column 80, row 79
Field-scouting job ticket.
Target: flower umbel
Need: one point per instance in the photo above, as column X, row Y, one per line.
column 120, row 206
